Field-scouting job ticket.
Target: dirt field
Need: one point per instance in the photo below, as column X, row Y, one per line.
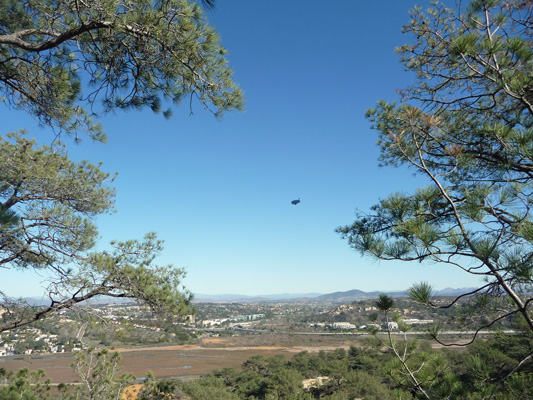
column 190, row 360
column 183, row 361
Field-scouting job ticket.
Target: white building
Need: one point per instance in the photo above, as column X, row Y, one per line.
column 415, row 321
column 343, row 325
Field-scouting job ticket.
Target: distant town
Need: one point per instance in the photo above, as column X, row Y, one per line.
column 127, row 324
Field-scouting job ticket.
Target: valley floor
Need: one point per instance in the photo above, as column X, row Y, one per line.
column 188, row 360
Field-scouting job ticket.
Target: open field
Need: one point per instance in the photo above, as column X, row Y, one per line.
column 189, row 360
column 183, row 361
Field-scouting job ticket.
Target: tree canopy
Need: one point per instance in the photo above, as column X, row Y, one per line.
column 466, row 124
column 122, row 54
column 49, row 202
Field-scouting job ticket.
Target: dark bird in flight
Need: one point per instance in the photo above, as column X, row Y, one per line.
column 295, row 201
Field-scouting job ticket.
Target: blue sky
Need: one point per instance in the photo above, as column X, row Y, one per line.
column 218, row 192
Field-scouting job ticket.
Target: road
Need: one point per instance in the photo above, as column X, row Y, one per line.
column 271, row 332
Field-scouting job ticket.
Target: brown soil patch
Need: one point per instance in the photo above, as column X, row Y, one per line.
column 132, row 392
column 215, row 341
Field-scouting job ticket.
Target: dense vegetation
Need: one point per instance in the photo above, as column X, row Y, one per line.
column 485, row 370
column 367, row 372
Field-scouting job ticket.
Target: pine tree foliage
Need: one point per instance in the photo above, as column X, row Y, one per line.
column 99, row 375
column 48, row 204
column 466, row 124
column 25, row 385
column 51, row 200
column 125, row 54
column 411, row 368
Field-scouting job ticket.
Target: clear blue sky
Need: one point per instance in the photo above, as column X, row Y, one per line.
column 219, row 191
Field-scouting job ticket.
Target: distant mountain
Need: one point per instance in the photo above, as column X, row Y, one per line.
column 353, row 295
column 36, row 301
column 45, row 301
column 240, row 298
column 336, row 297
column 454, row 292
